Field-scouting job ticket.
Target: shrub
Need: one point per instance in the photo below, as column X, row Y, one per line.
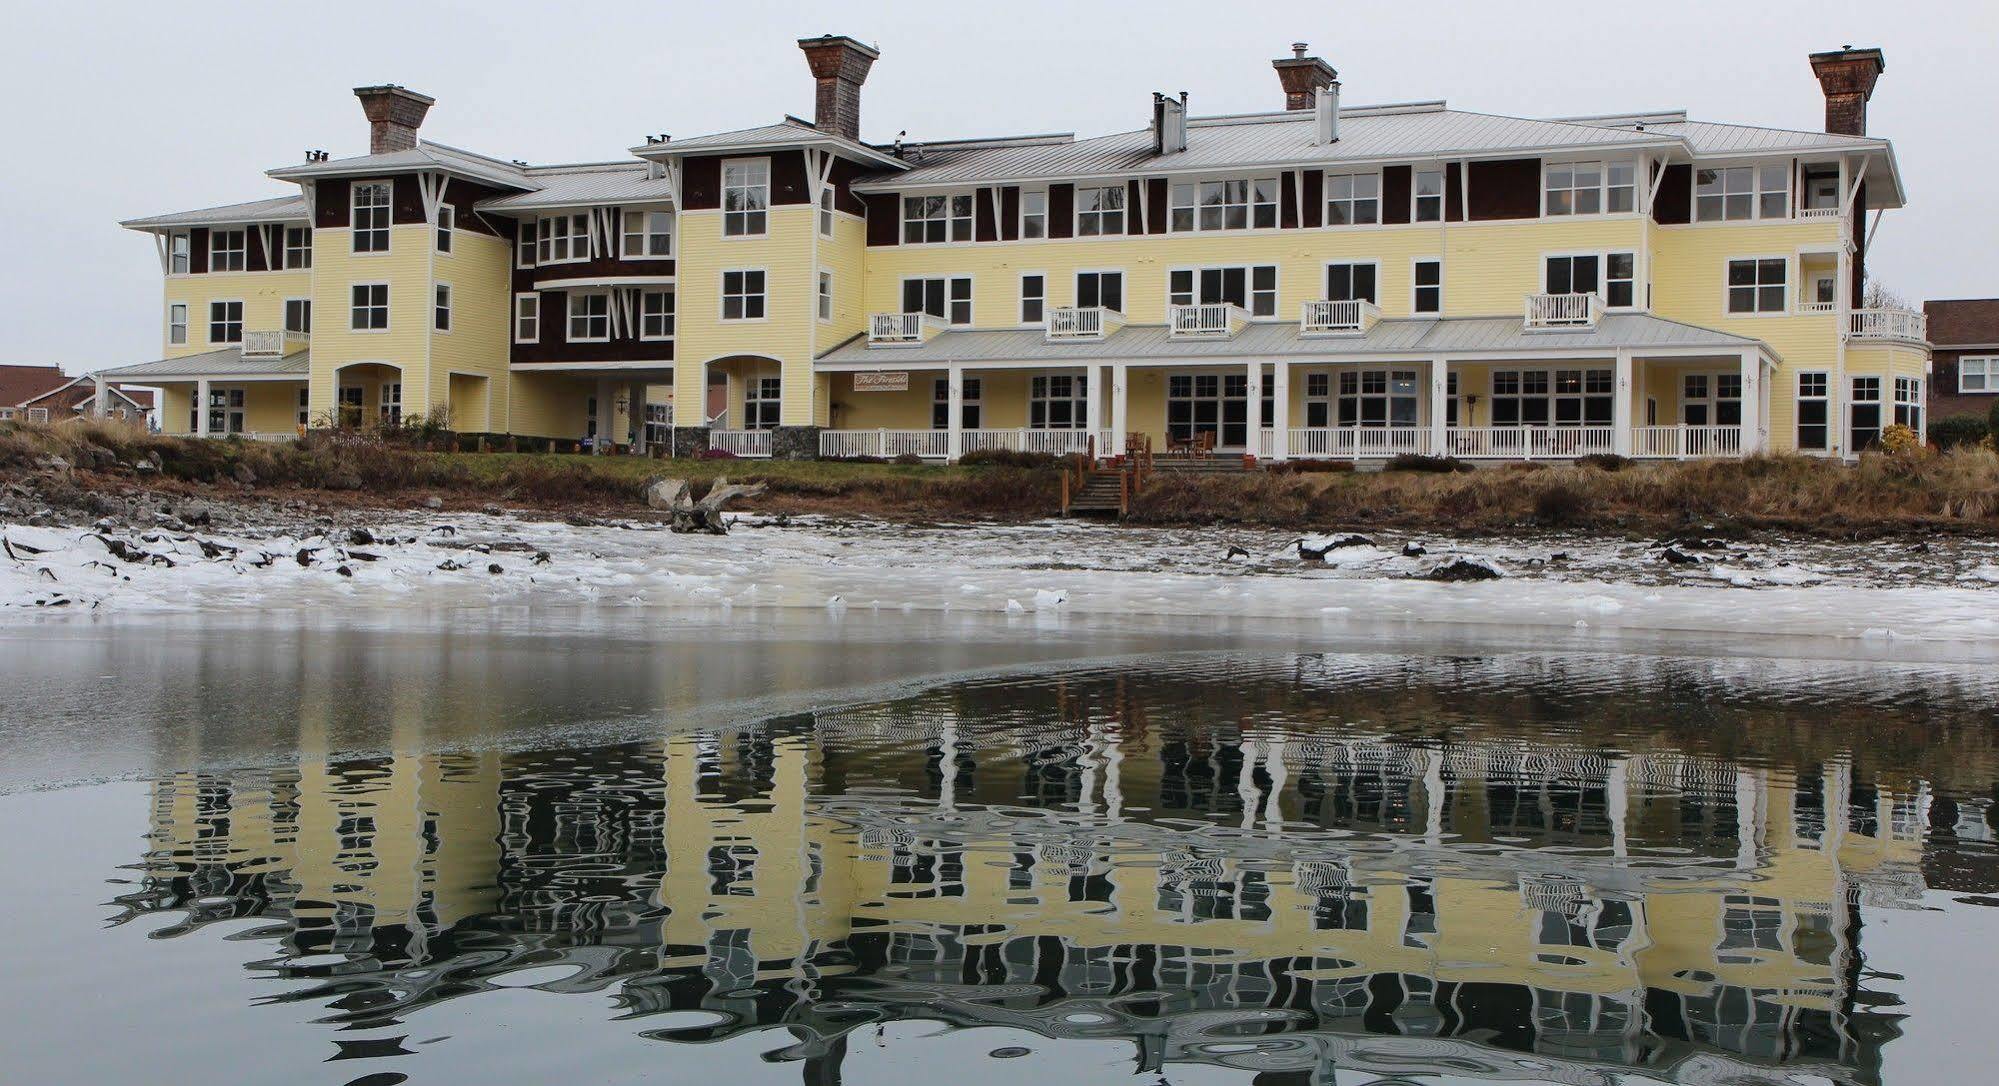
column 1605, row 461
column 1992, row 422
column 1420, row 462
column 1007, row 458
column 718, row 454
column 1958, row 430
column 1898, row 438
column 1310, row 467
column 908, row 460
column 1559, row 503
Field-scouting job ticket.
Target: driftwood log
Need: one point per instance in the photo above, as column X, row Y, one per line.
column 687, row 515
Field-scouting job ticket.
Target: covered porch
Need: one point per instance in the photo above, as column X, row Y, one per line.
column 258, row 392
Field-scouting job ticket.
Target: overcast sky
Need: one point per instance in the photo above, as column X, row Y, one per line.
column 117, row 110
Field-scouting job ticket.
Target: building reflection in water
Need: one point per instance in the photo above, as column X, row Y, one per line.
column 1282, row 865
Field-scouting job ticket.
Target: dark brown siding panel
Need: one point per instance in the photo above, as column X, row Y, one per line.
column 1132, row 202
column 254, row 258
column 1395, row 194
column 465, row 196
column 1454, row 193
column 1010, row 213
column 788, row 183
column 407, row 201
column 197, row 249
column 1675, row 201
column 844, row 196
column 1061, row 211
column 985, row 224
column 1507, row 189
column 329, row 204
column 884, row 218
column 554, row 345
column 1315, row 198
column 1287, row 200
column 1155, row 211
column 701, row 183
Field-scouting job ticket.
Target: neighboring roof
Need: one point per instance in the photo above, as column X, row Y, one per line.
column 1368, row 134
column 19, row 384
column 276, row 209
column 424, row 156
column 790, row 132
column 578, row 186
column 1963, row 322
column 82, row 390
column 1416, row 337
column 227, row 362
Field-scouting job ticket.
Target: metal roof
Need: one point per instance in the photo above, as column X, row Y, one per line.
column 424, row 156
column 1424, row 130
column 1415, row 337
column 276, row 209
column 584, row 186
column 227, row 362
column 790, row 132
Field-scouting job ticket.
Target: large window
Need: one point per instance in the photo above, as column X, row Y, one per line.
column 1427, row 196
column 1742, row 193
column 527, row 318
column 589, row 317
column 369, row 307
column 932, row 220
column 1100, row 288
column 1552, row 397
column 743, row 296
column 947, row 299
column 564, row 239
column 1253, row 289
column 1612, row 275
column 1223, row 205
column 298, row 315
column 225, row 411
column 1756, row 286
column 226, row 249
column 745, row 197
column 1033, row 297
column 1099, row 211
column 1033, row 213
column 225, row 322
column 1058, row 402
column 648, row 234
column 371, row 216
column 1349, row 282
column 1590, row 188
column 1427, row 286
column 1207, row 403
column 1377, row 397
column 969, row 407
column 656, row 314
column 1711, row 399
column 298, row 247
column 761, row 400
column 1353, row 198
column 1978, row 373
column 1864, row 414
column 177, row 323
column 1814, row 412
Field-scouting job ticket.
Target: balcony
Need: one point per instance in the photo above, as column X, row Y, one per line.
column 1818, row 307
column 273, row 344
column 1343, row 318
column 1809, row 213
column 1205, row 321
column 1906, row 325
column 901, row 329
column 1069, row 324
column 1563, row 312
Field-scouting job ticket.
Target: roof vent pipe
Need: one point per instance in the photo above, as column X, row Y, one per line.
column 1169, row 123
column 1326, row 114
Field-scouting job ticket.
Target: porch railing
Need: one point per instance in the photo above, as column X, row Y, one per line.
column 1528, row 442
column 1205, row 321
column 896, row 329
column 887, row 444
column 1685, row 442
column 1904, row 324
column 1083, row 322
column 749, row 443
column 273, row 344
column 1552, row 311
column 1349, row 442
column 1818, row 213
column 1334, row 318
column 1054, row 442
column 1818, row 307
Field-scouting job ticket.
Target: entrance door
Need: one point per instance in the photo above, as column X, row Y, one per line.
column 1711, row 399
column 1208, row 403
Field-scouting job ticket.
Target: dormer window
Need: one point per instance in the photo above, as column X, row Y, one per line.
column 933, row 220
column 1100, row 211
column 745, row 198
column 225, row 250
column 1742, row 193
column 1353, row 199
column 1590, row 188
column 1223, row 205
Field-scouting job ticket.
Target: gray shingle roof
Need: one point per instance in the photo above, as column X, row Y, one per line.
column 227, row 362
column 1150, row 342
column 581, row 186
column 276, row 209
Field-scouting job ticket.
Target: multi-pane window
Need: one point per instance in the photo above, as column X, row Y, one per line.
column 1863, row 413
column 441, row 308
column 1100, row 289
column 1099, row 211
column 1377, row 398
column 1353, row 198
column 369, row 307
column 1978, row 373
column 969, row 406
column 225, row 322
column 743, row 294
column 1909, row 403
column 177, row 253
column 1223, row 205
column 932, row 220
column 948, row 299
column 527, row 318
column 1590, row 188
column 745, row 197
column 825, row 296
column 1742, row 193
column 1033, row 298
column 1427, row 286
column 1058, row 402
column 298, row 315
column 1253, row 289
column 524, row 243
column 589, row 317
column 826, row 211
column 656, row 314
column 761, row 398
column 1552, row 397
column 1814, row 412
column 564, row 238
column 1216, row 404
column 304, row 399
column 1033, row 213
column 1318, row 397
column 298, row 247
column 392, row 403
column 371, row 216
column 648, row 234
column 225, row 411
column 447, row 225
column 226, row 249
column 1352, row 282
column 177, row 323
column 1756, row 286
column 1612, row 275
column 1427, row 192
column 1711, row 399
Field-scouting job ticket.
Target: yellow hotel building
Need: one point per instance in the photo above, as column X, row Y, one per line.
column 1318, row 281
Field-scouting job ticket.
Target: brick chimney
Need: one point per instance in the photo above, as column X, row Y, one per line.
column 1848, row 76
column 1302, row 76
column 394, row 114
column 840, row 64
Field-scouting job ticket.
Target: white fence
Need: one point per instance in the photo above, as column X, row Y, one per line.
column 1349, row 442
column 1055, row 442
column 887, row 444
column 1685, row 442
column 740, row 442
column 1528, row 442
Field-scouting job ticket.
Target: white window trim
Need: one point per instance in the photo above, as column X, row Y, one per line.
column 1076, row 212
column 971, row 221
column 185, row 237
column 825, row 209
column 722, row 296
column 672, row 316
column 569, row 316
column 1603, row 275
column 971, row 296
column 722, row 194
column 1020, row 298
column 284, row 311
column 185, row 331
column 1414, row 262
column 822, row 295
column 518, row 338
column 1991, row 366
column 1603, row 187
column 444, row 232
column 1755, row 167
column 1790, row 282
column 244, row 251
column 1020, row 226
column 209, row 327
column 284, row 241
column 1076, row 286
column 1248, row 283
column 1832, row 434
column 627, row 215
column 1249, row 205
column 578, row 253
column 387, row 309
column 1443, row 193
column 449, row 306
column 354, row 230
column 1326, row 200
column 529, row 231
column 1326, row 268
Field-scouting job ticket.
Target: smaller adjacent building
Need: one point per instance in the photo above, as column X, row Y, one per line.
column 1964, row 379
column 47, row 394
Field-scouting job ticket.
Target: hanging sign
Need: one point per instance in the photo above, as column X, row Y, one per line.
column 882, row 381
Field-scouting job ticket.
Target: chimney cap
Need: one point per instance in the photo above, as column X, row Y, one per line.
column 850, row 42
column 1847, row 53
column 394, row 90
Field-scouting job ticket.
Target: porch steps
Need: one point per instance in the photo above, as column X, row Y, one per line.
column 1098, row 494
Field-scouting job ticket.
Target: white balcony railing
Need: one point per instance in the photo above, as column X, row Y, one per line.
column 1351, row 317
column 1350, row 442
column 1528, row 442
column 1685, row 442
column 1818, row 307
column 1818, row 213
column 1549, row 311
column 1054, row 442
column 1205, row 321
column 896, row 329
column 750, row 443
column 273, row 344
column 887, row 444
column 1904, row 324
column 1083, row 322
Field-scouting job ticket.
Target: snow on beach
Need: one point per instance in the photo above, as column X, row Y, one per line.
column 1876, row 592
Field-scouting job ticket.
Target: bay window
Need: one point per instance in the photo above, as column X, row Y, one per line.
column 1100, row 211
column 1909, row 403
column 745, row 197
column 933, row 220
column 1863, row 414
column 1353, row 198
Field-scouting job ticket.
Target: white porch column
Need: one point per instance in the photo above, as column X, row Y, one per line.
column 100, row 404
column 1280, row 442
column 607, row 413
column 1620, row 406
column 637, row 395
column 201, row 408
column 1752, row 403
column 1093, row 405
column 1253, row 430
column 1440, row 394
column 954, row 421
column 1120, row 407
